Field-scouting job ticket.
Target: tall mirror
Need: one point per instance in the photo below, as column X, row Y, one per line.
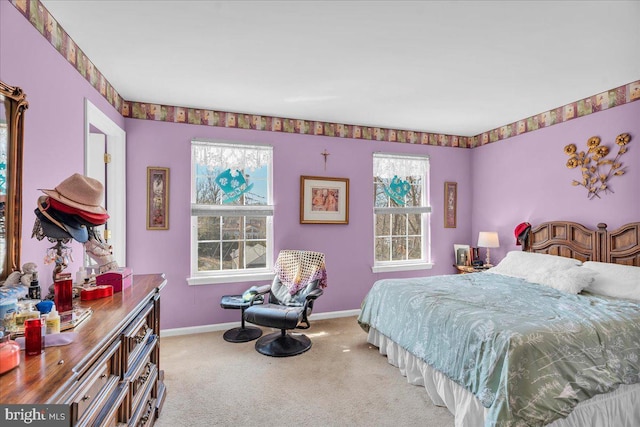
column 12, row 107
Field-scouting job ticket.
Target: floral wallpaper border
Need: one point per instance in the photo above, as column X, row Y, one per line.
column 46, row 24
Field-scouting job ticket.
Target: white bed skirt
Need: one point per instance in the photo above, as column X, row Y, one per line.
column 619, row 408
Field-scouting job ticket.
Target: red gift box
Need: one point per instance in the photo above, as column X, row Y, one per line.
column 95, row 292
column 120, row 279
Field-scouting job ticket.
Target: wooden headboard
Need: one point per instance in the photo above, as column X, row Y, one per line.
column 573, row 240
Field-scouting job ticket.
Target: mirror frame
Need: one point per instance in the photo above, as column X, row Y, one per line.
column 15, row 104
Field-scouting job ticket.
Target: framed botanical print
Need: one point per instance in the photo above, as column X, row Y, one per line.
column 450, row 204
column 157, row 198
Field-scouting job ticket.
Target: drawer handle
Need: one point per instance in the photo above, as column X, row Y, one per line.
column 141, row 334
column 144, row 376
column 145, row 417
column 86, row 397
column 103, row 376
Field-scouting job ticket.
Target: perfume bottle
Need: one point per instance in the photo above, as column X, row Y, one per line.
column 63, row 294
column 34, row 287
column 33, row 342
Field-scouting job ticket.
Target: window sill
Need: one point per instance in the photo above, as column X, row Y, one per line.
column 214, row 280
column 402, row 267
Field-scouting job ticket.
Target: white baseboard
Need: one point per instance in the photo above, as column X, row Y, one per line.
column 224, row 326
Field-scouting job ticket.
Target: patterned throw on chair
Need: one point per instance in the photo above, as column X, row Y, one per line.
column 297, row 268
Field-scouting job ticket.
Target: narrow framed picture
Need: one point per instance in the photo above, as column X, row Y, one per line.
column 324, row 200
column 157, row 198
column 462, row 254
column 450, row 204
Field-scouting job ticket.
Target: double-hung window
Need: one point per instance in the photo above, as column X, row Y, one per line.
column 401, row 212
column 231, row 212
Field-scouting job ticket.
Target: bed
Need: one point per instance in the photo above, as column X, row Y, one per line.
column 550, row 336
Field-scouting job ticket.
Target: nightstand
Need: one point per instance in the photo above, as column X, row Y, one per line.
column 464, row 269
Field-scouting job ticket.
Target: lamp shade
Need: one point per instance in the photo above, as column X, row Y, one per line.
column 488, row 239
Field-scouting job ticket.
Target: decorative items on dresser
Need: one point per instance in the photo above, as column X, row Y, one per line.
column 110, row 374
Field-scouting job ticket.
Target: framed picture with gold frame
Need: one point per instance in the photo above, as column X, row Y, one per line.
column 324, row 200
column 157, row 198
column 450, row 204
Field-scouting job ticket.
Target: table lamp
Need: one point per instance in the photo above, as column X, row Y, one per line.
column 488, row 239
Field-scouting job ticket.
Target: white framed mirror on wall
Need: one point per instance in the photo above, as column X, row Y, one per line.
column 105, row 160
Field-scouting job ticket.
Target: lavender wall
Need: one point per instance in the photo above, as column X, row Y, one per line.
column 524, row 178
column 348, row 248
column 54, row 122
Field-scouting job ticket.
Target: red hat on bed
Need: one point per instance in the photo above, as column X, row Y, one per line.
column 521, row 232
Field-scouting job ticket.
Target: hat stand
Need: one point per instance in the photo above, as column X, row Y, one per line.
column 60, row 254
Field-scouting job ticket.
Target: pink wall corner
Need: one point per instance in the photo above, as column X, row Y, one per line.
column 54, row 121
column 524, row 178
column 348, row 248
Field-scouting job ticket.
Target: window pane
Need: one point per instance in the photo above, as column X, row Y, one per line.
column 381, row 199
column 209, row 228
column 208, row 256
column 399, row 225
column 232, row 258
column 232, row 227
column 382, row 249
column 383, row 224
column 207, row 191
column 256, row 254
column 398, row 248
column 415, row 224
column 414, row 247
column 258, row 180
column 256, row 228
column 231, row 174
column 232, row 188
column 414, row 197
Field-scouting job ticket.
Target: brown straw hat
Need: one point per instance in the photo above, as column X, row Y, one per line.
column 79, row 191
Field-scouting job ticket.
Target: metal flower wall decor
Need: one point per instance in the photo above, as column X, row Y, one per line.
column 594, row 165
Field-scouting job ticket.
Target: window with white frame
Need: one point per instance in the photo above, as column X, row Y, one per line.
column 231, row 212
column 401, row 212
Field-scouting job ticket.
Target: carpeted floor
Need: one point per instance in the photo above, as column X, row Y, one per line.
column 341, row 381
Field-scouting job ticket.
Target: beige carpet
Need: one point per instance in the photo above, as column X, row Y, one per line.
column 341, row 381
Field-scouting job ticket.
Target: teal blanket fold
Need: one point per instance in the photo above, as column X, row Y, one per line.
column 528, row 352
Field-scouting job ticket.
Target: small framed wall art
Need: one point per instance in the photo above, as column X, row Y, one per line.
column 324, row 200
column 462, row 254
column 450, row 204
column 157, row 198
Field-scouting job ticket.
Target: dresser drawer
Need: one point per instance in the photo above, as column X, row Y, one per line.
column 89, row 404
column 95, row 386
column 146, row 414
column 141, row 378
column 137, row 335
column 109, row 414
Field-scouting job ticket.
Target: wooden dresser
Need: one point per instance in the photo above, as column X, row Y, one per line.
column 110, row 375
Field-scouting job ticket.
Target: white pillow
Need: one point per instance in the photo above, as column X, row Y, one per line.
column 615, row 280
column 521, row 264
column 572, row 280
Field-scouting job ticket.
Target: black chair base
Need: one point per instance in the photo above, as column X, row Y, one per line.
column 280, row 344
column 240, row 334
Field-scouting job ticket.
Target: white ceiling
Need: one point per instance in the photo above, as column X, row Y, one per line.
column 453, row 67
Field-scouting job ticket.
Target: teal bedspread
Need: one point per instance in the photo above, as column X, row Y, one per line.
column 528, row 352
